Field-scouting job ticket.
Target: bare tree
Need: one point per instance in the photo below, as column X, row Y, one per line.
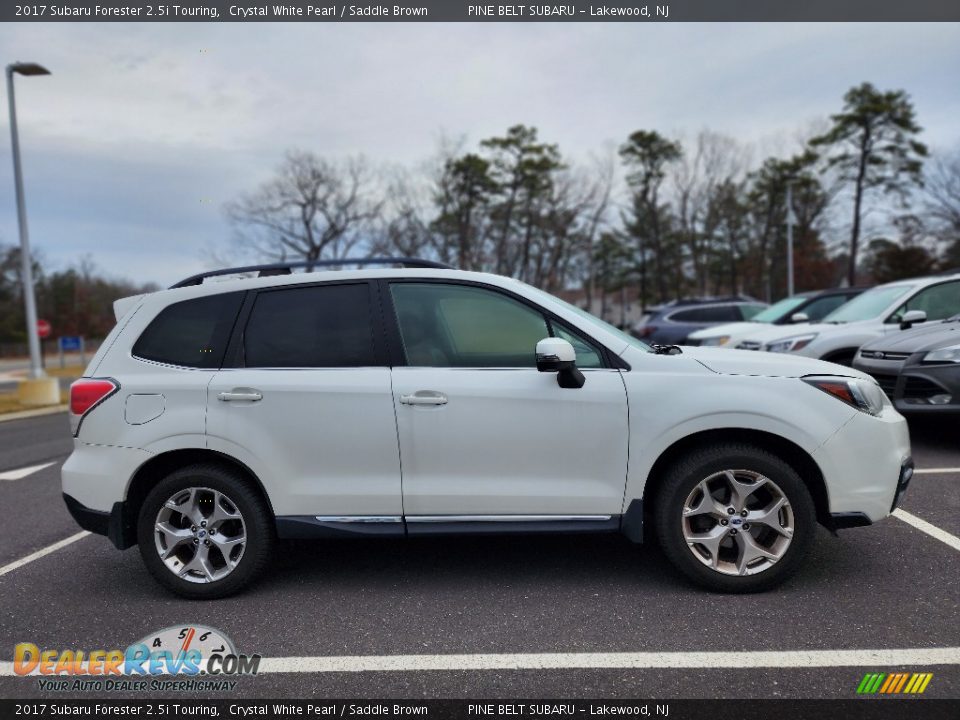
column 313, row 208
column 942, row 195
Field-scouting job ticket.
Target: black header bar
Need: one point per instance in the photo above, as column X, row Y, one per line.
column 460, row 11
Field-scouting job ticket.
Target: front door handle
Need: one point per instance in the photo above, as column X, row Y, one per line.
column 424, row 397
column 240, row 395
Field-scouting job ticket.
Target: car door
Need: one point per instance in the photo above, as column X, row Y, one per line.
column 305, row 401
column 483, row 435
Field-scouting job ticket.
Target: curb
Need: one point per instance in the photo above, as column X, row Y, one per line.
column 24, row 414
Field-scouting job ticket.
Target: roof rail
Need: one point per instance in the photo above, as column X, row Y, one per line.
column 286, row 268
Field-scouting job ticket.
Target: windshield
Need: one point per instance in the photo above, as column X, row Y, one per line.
column 626, row 337
column 868, row 305
column 778, row 310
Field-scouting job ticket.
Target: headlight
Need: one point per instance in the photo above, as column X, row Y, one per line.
column 791, row 344
column 864, row 395
column 943, row 355
column 714, row 341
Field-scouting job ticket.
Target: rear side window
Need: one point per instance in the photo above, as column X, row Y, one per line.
column 191, row 333
column 707, row 314
column 311, row 327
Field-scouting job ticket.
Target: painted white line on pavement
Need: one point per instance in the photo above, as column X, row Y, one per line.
column 21, row 473
column 41, row 553
column 931, row 530
column 936, row 471
column 910, row 657
column 655, row 660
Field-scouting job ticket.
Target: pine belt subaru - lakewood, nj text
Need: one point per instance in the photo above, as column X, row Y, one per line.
column 222, row 414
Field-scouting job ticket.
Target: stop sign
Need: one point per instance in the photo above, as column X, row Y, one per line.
column 43, row 328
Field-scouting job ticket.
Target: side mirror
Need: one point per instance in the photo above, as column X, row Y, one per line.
column 557, row 355
column 799, row 317
column 912, row 316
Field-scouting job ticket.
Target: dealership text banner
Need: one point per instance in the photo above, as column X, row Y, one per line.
column 455, row 11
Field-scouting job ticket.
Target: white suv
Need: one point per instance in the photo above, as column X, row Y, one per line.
column 220, row 415
column 878, row 312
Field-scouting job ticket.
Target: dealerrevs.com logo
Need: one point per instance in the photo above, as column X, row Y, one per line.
column 185, row 650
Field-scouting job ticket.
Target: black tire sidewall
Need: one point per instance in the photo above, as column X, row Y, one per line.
column 256, row 518
column 683, row 477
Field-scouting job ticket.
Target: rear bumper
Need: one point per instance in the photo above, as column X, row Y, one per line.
column 114, row 524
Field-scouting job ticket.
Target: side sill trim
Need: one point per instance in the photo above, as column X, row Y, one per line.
column 320, row 526
column 305, row 527
column 505, row 518
column 359, row 518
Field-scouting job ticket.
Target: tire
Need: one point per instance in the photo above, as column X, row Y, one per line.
column 726, row 560
column 205, row 532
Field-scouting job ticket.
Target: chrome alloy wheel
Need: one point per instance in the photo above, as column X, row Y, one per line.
column 200, row 534
column 737, row 522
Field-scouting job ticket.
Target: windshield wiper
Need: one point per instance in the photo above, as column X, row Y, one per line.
column 666, row 349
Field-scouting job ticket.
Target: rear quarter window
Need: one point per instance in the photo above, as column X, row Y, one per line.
column 190, row 333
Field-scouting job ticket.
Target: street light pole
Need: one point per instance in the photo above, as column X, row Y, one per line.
column 790, row 220
column 36, row 369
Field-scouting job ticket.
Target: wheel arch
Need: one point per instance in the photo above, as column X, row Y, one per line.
column 843, row 356
column 161, row 465
column 794, row 455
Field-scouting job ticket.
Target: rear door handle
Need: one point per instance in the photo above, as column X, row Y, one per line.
column 424, row 397
column 240, row 395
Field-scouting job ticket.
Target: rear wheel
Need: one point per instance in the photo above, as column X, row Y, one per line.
column 735, row 518
column 204, row 532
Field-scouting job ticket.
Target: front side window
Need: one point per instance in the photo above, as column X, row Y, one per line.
column 191, row 333
column 587, row 355
column 462, row 326
column 778, row 310
column 321, row 326
column 868, row 305
column 749, row 312
column 937, row 301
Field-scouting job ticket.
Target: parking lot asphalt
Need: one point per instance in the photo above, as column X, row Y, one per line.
column 888, row 586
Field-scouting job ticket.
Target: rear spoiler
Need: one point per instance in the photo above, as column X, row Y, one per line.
column 123, row 305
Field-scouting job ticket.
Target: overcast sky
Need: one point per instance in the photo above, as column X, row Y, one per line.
column 143, row 132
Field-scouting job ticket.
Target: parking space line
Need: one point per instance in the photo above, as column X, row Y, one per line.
column 931, row 530
column 910, row 657
column 656, row 660
column 41, row 553
column 936, row 471
column 21, row 473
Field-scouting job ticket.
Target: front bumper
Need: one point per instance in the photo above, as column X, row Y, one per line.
column 863, row 466
column 915, row 387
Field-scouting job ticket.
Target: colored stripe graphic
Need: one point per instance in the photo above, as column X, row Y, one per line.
column 894, row 683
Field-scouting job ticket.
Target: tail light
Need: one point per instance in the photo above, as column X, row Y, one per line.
column 85, row 395
column 645, row 331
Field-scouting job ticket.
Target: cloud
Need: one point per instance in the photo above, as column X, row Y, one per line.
column 144, row 131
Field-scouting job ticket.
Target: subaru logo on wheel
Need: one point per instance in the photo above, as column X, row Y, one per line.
column 736, row 521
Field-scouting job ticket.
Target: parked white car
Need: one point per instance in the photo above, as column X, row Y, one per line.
column 218, row 416
column 878, row 312
column 805, row 307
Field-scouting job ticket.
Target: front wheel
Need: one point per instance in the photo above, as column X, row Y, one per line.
column 204, row 532
column 734, row 518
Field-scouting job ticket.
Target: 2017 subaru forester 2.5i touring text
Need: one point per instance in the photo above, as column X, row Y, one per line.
column 219, row 416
